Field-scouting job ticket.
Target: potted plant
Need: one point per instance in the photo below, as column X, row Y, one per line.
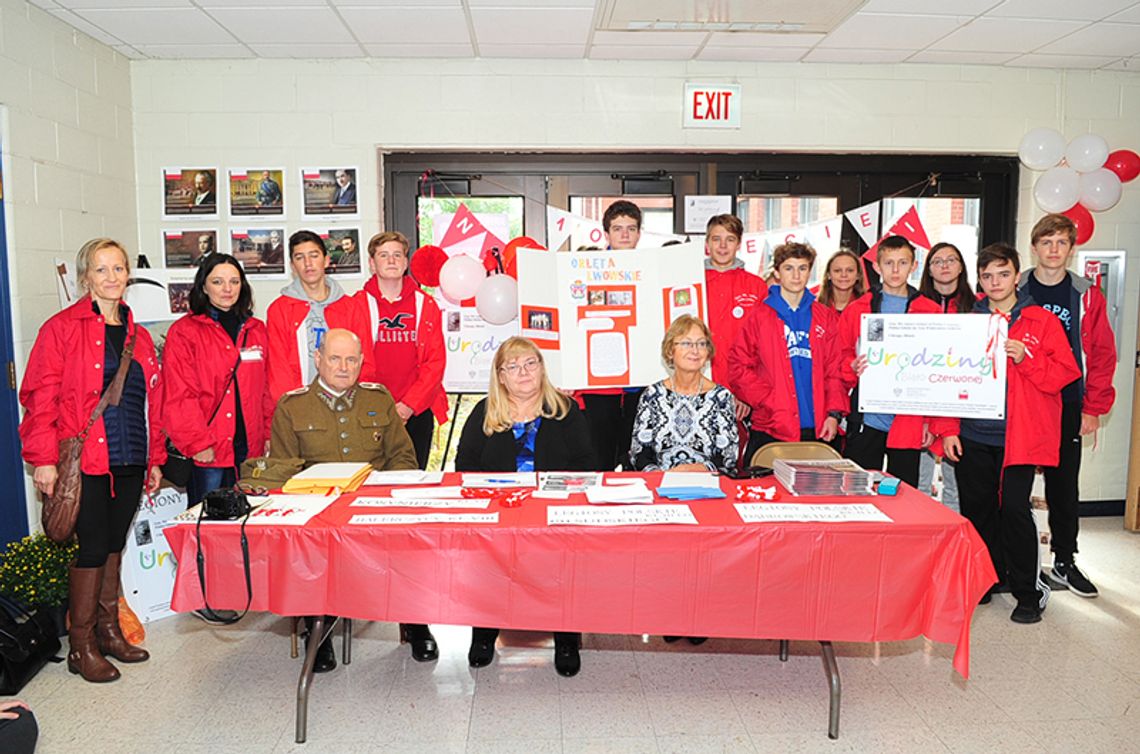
column 33, row 572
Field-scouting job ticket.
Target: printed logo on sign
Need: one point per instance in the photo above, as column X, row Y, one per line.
column 963, row 395
column 897, row 391
column 577, row 289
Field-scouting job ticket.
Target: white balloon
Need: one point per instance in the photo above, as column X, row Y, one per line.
column 1058, row 189
column 1100, row 189
column 460, row 277
column 1041, row 148
column 1087, row 153
column 497, row 299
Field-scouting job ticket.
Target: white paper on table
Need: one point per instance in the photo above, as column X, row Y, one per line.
column 758, row 513
column 689, row 479
column 585, row 515
column 426, row 502
column 291, row 510
column 501, row 479
column 404, row 476
column 626, row 494
column 550, row 495
column 424, row 518
column 577, row 481
column 332, row 470
column 413, row 493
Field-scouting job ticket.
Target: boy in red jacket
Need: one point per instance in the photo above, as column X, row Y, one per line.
column 1080, row 308
column 784, row 363
column 997, row 457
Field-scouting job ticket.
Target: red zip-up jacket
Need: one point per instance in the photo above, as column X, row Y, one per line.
column 906, row 431
column 760, row 372
column 197, row 361
column 1033, row 389
column 733, row 295
column 63, row 382
column 282, row 321
column 427, row 390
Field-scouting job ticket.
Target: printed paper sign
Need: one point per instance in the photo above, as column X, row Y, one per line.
column 424, row 518
column 760, row 513
column 933, row 365
column 289, row 510
column 148, row 563
column 426, row 502
column 698, row 210
column 588, row 515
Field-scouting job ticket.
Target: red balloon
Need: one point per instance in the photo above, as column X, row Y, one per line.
column 1125, row 163
column 1083, row 219
column 426, row 263
column 511, row 253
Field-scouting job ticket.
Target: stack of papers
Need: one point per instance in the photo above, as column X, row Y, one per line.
column 838, row 477
column 404, row 476
column 323, row 478
column 630, row 492
column 501, row 479
column 690, row 485
column 568, row 481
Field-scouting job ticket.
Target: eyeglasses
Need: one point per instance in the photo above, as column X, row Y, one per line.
column 944, row 262
column 521, row 367
column 693, row 345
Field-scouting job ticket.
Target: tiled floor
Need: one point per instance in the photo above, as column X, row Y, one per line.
column 1068, row 684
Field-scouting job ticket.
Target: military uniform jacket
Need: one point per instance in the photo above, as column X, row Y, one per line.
column 316, row 426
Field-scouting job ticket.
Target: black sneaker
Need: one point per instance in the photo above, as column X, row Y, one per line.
column 1071, row 577
column 1026, row 613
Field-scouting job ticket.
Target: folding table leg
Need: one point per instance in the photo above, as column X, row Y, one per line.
column 783, row 650
column 346, row 641
column 306, row 681
column 831, row 670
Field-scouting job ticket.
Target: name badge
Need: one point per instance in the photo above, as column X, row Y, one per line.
column 252, row 353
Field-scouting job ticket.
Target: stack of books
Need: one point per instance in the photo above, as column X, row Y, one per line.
column 323, row 478
column 835, row 477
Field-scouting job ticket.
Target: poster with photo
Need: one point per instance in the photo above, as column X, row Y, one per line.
column 188, row 247
column 343, row 245
column 159, row 295
column 329, row 191
column 257, row 192
column 261, row 251
column 190, row 192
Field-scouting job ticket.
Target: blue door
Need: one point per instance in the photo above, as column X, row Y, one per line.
column 13, row 508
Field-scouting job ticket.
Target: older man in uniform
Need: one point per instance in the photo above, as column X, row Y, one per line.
column 335, row 418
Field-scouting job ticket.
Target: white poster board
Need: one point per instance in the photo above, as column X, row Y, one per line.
column 600, row 316
column 933, row 365
column 148, row 563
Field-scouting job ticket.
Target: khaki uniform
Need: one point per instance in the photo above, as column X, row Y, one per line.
column 316, row 426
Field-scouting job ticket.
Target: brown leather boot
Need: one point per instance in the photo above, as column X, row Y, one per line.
column 107, row 629
column 83, row 655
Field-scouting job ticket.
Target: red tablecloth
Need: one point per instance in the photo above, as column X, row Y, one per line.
column 922, row 573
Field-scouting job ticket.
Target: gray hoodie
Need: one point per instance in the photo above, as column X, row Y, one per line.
column 314, row 325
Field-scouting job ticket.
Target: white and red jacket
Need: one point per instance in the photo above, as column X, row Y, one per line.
column 361, row 314
column 288, row 341
column 1033, row 389
column 197, row 361
column 760, row 372
column 733, row 294
column 64, row 380
column 906, row 431
column 1097, row 344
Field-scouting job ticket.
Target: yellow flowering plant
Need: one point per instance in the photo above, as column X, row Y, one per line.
column 33, row 570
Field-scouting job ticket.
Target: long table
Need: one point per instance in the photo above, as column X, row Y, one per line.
column 922, row 573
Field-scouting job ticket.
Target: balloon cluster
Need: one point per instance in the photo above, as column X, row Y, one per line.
column 490, row 284
column 1079, row 176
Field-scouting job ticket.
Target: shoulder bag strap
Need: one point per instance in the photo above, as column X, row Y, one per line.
column 229, row 380
column 114, row 392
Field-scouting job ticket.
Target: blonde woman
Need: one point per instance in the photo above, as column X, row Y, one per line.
column 524, row 424
column 843, row 280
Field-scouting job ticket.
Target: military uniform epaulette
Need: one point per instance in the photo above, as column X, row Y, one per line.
column 298, row 391
column 372, row 386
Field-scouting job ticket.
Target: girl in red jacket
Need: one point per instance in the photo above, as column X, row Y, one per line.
column 997, row 458
column 843, row 280
column 74, row 359
column 218, row 409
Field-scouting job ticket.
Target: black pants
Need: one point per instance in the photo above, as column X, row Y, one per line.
column 996, row 501
column 604, row 418
column 420, row 428
column 758, row 439
column 1062, row 489
column 19, row 736
column 629, row 403
column 103, row 520
column 868, row 446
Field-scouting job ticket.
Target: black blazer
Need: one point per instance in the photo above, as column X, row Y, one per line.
column 561, row 445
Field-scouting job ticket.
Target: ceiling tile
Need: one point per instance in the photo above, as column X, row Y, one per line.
column 762, row 39
column 1098, row 39
column 1034, row 60
column 752, row 54
column 532, row 51
column 195, row 52
column 530, row 3
column 1084, row 10
column 929, row 7
column 420, row 50
column 856, row 55
column 943, row 57
column 1012, row 34
column 1126, row 64
column 303, row 50
column 687, row 39
column 641, row 52
column 284, row 25
column 45, row 4
column 123, row 4
column 212, row 4
column 86, row 27
column 129, row 52
column 532, row 26
column 405, row 25
column 408, row 4
column 159, row 25
column 884, row 31
column 1130, row 16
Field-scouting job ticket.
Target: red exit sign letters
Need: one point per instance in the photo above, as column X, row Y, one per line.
column 711, row 106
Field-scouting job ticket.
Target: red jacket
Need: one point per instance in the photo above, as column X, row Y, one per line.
column 733, row 294
column 427, row 391
column 1033, row 389
column 197, row 361
column 63, row 382
column 906, row 431
column 282, row 321
column 760, row 372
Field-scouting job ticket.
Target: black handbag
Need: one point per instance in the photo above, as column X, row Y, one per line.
column 224, row 504
column 28, row 641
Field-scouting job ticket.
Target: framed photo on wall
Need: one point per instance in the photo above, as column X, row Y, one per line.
column 190, row 192
column 261, row 251
column 257, row 191
column 345, row 255
column 188, row 247
column 329, row 191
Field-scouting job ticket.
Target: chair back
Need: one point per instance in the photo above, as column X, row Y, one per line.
column 796, row 451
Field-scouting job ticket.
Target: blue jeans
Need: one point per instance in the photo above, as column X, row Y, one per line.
column 207, row 479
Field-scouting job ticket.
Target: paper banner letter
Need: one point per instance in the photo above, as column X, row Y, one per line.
column 865, row 221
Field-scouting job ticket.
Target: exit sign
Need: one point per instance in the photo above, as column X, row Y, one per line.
column 711, row 106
